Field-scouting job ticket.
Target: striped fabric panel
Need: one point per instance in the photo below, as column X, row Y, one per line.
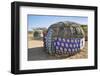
column 48, row 41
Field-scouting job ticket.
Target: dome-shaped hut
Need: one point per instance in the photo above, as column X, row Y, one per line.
column 64, row 38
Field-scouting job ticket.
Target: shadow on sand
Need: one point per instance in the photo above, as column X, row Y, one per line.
column 39, row 54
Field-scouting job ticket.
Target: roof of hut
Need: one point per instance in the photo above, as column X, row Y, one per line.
column 67, row 29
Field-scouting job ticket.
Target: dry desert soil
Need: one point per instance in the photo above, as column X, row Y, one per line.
column 36, row 52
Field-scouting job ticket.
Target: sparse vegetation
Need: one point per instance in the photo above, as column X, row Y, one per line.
column 85, row 29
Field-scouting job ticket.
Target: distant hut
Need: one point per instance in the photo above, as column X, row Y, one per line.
column 37, row 34
column 64, row 38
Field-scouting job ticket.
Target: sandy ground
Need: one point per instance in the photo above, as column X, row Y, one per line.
column 35, row 43
column 37, row 52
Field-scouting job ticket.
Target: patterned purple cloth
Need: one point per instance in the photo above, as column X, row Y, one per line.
column 69, row 45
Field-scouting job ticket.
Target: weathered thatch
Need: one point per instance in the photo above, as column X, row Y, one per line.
column 64, row 38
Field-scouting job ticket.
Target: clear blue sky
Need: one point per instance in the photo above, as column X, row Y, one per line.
column 35, row 21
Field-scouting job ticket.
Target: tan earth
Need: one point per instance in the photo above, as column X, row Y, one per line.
column 35, row 43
